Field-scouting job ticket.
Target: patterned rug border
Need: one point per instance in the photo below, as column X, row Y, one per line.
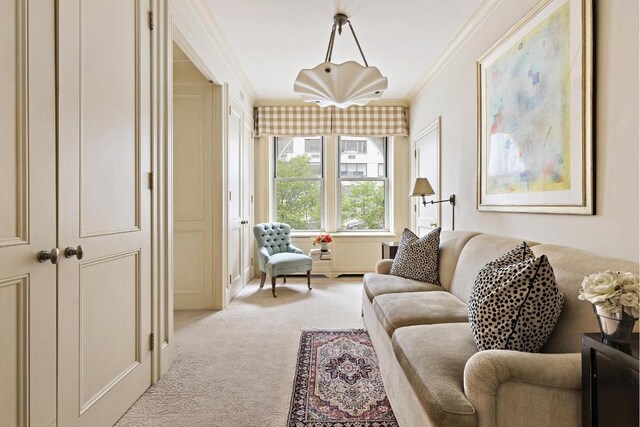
column 304, row 333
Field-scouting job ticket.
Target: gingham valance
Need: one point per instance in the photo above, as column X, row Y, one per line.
column 293, row 121
column 309, row 121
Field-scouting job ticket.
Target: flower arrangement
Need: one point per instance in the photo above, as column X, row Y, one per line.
column 322, row 238
column 613, row 291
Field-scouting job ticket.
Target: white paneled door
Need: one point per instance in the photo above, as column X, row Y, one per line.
column 427, row 165
column 235, row 211
column 247, row 200
column 104, row 293
column 27, row 214
column 240, row 203
column 193, row 195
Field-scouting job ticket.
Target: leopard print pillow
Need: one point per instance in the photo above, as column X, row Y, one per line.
column 520, row 253
column 516, row 306
column 417, row 257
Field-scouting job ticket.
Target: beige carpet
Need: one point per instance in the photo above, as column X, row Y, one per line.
column 236, row 367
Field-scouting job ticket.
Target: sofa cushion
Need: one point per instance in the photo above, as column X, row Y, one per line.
column 418, row 308
column 417, row 257
column 451, row 244
column 433, row 358
column 476, row 254
column 570, row 266
column 516, row 306
column 380, row 284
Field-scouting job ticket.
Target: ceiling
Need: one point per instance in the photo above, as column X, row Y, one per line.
column 274, row 39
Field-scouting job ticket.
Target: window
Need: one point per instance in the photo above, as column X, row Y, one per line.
column 353, row 169
column 354, row 146
column 299, row 182
column 362, row 187
column 353, row 197
column 313, row 145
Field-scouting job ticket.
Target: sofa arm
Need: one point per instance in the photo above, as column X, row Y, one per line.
column 295, row 249
column 384, row 266
column 517, row 388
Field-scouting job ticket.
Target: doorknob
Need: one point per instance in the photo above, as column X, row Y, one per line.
column 53, row 256
column 244, row 222
column 71, row 252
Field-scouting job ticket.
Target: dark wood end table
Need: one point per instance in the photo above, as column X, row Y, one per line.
column 389, row 249
column 609, row 382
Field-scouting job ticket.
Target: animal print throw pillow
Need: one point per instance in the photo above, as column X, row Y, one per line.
column 482, row 288
column 417, row 257
column 515, row 302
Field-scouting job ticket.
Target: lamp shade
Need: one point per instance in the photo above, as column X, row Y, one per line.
column 340, row 85
column 422, row 187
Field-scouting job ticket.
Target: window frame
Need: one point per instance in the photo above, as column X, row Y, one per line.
column 322, row 179
column 340, row 179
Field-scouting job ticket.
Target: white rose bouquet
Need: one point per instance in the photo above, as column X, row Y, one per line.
column 613, row 291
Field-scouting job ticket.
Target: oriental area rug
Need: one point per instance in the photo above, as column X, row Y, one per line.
column 338, row 382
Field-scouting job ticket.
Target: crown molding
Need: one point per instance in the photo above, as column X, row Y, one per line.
column 222, row 44
column 477, row 18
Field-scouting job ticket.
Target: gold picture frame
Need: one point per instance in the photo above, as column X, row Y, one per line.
column 535, row 133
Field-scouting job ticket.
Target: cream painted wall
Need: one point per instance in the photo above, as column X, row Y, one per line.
column 352, row 252
column 201, row 39
column 451, row 94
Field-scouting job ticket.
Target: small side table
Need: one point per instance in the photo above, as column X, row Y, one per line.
column 389, row 249
column 609, row 382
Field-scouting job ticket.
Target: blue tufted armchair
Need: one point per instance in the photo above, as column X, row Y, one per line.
column 277, row 256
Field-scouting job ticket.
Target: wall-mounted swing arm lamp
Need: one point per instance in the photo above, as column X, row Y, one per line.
column 422, row 188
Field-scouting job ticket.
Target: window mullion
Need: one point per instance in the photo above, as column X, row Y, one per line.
column 331, row 194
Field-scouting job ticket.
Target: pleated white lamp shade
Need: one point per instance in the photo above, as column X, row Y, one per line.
column 340, row 85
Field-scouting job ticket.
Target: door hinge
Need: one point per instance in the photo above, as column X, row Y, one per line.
column 252, row 262
column 151, row 181
column 415, row 154
column 151, row 19
column 229, row 279
column 251, row 198
column 229, row 195
column 415, row 208
column 229, row 109
column 152, row 342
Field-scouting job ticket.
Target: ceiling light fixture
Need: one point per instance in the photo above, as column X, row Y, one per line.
column 340, row 85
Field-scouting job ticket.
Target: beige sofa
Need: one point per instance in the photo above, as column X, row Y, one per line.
column 432, row 370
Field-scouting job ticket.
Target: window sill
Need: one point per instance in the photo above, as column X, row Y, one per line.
column 345, row 234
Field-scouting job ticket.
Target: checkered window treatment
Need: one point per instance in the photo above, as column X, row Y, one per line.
column 310, row 121
column 293, row 121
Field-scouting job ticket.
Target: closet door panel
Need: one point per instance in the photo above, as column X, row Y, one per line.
column 27, row 214
column 104, row 205
column 109, row 137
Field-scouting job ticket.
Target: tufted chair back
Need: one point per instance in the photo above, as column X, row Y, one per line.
column 274, row 236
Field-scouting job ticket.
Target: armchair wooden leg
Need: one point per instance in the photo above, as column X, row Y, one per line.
column 284, row 279
column 262, row 279
column 309, row 279
column 273, row 286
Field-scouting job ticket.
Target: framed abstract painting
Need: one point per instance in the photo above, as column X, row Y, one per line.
column 534, row 114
